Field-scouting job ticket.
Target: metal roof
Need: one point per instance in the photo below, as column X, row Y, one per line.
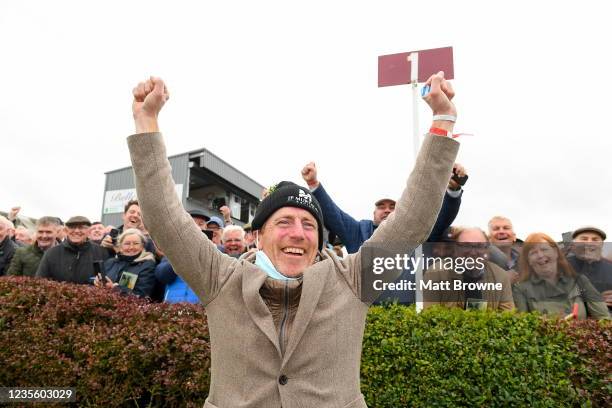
column 214, row 163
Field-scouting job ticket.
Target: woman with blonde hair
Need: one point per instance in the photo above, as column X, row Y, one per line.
column 132, row 271
column 549, row 285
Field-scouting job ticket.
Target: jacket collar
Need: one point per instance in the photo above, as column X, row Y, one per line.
column 538, row 281
column 312, row 287
column 314, row 282
column 252, row 281
column 76, row 248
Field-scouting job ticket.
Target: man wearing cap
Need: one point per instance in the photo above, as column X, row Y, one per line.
column 354, row 233
column 216, row 225
column 200, row 218
column 286, row 322
column 586, row 258
column 72, row 260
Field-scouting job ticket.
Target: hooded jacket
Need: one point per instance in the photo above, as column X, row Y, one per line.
column 143, row 267
column 255, row 361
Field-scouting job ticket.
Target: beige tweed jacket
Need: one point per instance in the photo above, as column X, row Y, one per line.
column 320, row 367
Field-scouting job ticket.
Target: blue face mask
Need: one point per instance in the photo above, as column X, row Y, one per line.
column 262, row 260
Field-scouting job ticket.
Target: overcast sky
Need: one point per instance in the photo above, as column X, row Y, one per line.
column 269, row 86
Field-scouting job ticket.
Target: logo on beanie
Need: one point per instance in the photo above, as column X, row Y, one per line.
column 304, row 199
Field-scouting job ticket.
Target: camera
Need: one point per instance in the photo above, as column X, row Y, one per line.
column 114, row 233
column 218, row 203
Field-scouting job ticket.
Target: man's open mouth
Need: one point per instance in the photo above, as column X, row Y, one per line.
column 292, row 251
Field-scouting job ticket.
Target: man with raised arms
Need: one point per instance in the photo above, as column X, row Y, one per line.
column 286, row 322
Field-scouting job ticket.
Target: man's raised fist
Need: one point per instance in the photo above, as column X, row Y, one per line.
column 149, row 98
column 12, row 215
column 309, row 174
column 440, row 95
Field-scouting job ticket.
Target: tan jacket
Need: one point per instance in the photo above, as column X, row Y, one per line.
column 320, row 366
column 495, row 299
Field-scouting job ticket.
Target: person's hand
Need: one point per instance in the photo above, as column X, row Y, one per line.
column 12, row 215
column 226, row 212
column 309, row 174
column 607, row 297
column 149, row 98
column 440, row 95
column 109, row 283
column 514, row 276
column 107, row 242
column 459, row 170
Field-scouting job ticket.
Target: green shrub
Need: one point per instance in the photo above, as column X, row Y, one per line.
column 448, row 357
column 115, row 350
column 122, row 351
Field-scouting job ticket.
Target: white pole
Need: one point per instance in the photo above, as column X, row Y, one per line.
column 414, row 80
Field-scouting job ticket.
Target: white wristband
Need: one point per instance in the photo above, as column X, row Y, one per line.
column 449, row 118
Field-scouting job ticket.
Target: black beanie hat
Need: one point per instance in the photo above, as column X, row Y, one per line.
column 288, row 194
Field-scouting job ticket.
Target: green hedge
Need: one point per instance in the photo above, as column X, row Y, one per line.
column 116, row 350
column 119, row 351
column 445, row 358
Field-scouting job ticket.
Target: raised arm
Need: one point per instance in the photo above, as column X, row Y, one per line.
column 336, row 220
column 450, row 205
column 418, row 207
column 193, row 256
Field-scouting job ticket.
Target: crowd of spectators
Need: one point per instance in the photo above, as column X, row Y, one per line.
column 262, row 269
column 571, row 279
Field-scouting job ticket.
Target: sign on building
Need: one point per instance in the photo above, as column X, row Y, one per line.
column 115, row 200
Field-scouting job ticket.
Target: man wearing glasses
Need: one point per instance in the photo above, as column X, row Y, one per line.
column 73, row 260
column 472, row 282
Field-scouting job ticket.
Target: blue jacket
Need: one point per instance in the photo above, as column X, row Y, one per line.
column 354, row 233
column 145, row 270
column 176, row 288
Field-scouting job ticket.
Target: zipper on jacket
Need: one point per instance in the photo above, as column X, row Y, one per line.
column 284, row 320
